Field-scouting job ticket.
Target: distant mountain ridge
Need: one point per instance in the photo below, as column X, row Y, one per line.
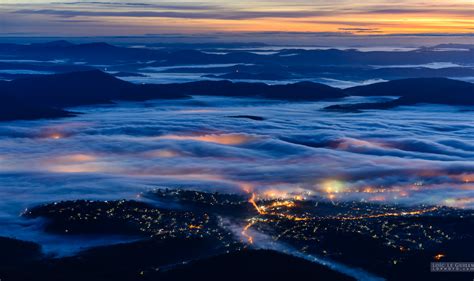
column 268, row 63
column 103, row 52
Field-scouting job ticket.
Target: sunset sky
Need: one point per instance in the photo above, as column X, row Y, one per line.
column 129, row 17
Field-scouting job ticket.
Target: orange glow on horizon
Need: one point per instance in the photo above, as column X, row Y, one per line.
column 375, row 17
column 372, row 24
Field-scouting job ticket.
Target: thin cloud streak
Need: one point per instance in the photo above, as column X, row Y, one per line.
column 238, row 15
column 167, row 6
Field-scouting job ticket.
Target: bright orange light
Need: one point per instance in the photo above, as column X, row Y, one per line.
column 56, row 136
column 438, row 257
column 287, row 204
column 254, row 204
column 275, row 193
column 333, row 186
column 299, row 219
column 192, row 226
column 399, row 214
column 245, row 231
column 368, row 190
column 299, row 198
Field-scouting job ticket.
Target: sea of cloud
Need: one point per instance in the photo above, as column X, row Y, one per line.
column 410, row 155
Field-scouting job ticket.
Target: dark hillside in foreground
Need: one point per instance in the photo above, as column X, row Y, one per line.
column 16, row 252
column 252, row 265
column 156, row 260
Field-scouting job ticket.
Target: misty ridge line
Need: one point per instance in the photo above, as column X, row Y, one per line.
column 100, row 52
column 47, row 96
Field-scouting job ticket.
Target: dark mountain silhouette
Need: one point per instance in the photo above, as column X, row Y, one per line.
column 52, row 44
column 44, row 67
column 298, row 91
column 14, row 109
column 17, row 252
column 412, row 91
column 417, row 88
column 91, row 52
column 79, row 88
column 216, row 46
column 46, row 96
column 250, row 117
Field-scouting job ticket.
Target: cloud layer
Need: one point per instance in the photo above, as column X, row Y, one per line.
column 400, row 155
column 140, row 17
